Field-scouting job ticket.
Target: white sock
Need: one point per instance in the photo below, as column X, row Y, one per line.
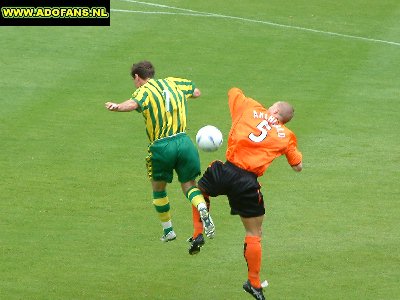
column 166, row 225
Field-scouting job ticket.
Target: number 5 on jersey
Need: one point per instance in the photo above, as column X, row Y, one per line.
column 263, row 127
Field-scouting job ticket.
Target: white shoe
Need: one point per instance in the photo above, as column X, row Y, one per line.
column 208, row 225
column 170, row 236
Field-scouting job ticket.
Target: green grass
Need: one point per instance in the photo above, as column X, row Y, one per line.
column 76, row 219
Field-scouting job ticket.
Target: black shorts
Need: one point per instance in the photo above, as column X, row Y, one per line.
column 241, row 187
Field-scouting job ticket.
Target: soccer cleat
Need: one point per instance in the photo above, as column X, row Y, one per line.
column 256, row 293
column 196, row 244
column 208, row 224
column 170, row 236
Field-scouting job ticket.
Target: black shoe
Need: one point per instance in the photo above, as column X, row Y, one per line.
column 196, row 244
column 256, row 293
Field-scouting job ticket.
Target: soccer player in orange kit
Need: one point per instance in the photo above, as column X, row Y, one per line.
column 257, row 136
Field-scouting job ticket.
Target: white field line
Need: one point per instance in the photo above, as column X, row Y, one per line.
column 158, row 12
column 190, row 12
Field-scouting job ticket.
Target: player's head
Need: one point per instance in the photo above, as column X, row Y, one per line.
column 281, row 110
column 144, row 70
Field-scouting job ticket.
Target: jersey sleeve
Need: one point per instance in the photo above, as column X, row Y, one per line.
column 293, row 155
column 185, row 85
column 236, row 101
column 140, row 96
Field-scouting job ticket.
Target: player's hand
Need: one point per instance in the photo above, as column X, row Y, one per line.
column 111, row 106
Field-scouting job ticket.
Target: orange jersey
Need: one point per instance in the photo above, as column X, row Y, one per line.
column 254, row 143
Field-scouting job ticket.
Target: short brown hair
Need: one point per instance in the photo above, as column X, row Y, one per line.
column 285, row 111
column 144, row 69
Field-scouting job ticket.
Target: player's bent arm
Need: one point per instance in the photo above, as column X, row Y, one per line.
column 298, row 167
column 125, row 106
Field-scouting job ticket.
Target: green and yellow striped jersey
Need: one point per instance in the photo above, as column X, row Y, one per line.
column 162, row 103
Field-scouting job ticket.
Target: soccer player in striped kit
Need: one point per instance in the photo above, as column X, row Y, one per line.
column 257, row 136
column 163, row 104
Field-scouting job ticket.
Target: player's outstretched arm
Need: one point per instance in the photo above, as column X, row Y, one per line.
column 125, row 106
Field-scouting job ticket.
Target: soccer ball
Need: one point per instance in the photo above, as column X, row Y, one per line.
column 209, row 138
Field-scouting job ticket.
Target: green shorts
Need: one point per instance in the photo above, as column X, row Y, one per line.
column 173, row 153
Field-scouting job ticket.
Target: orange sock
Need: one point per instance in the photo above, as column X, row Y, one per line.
column 252, row 254
column 197, row 224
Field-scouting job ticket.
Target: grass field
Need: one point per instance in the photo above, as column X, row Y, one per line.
column 76, row 218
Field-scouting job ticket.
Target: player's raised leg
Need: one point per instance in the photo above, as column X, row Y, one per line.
column 196, row 198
